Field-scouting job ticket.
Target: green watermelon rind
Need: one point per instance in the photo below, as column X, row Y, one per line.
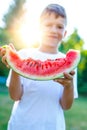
column 41, row 78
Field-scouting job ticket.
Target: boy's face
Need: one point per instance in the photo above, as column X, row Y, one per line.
column 52, row 30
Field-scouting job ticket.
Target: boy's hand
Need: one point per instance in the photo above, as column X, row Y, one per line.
column 3, row 54
column 67, row 81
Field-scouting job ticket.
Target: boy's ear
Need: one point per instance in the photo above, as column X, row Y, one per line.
column 65, row 33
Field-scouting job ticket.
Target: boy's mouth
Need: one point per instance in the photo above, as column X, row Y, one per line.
column 53, row 36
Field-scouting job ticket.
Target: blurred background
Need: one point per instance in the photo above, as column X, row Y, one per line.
column 19, row 25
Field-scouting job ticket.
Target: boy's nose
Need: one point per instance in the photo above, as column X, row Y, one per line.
column 54, row 29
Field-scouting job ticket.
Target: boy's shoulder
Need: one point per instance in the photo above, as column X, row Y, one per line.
column 25, row 52
column 61, row 54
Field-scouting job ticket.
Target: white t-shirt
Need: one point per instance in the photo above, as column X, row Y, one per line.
column 39, row 107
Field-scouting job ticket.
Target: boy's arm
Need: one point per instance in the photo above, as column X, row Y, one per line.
column 68, row 93
column 67, row 97
column 15, row 87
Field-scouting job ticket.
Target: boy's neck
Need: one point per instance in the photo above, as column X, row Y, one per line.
column 50, row 50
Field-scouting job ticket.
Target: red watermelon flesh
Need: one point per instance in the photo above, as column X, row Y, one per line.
column 42, row 70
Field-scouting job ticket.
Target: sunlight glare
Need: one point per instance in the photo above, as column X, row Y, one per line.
column 29, row 31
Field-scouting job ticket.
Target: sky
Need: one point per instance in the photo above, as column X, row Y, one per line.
column 76, row 13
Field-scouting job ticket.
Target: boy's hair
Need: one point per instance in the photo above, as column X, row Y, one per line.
column 57, row 9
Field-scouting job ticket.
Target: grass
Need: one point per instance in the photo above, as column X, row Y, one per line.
column 76, row 117
column 5, row 108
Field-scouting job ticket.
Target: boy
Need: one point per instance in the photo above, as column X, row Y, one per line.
column 39, row 105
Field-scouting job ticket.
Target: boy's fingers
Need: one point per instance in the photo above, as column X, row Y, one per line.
column 12, row 46
column 4, row 60
column 72, row 72
column 3, row 51
column 69, row 75
column 58, row 80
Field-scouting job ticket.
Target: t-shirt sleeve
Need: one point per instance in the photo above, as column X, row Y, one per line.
column 9, row 77
column 75, row 84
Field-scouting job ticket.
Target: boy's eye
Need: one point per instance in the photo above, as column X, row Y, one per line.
column 60, row 27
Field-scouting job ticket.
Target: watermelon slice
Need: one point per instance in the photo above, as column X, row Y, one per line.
column 42, row 70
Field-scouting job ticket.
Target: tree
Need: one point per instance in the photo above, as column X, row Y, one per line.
column 4, row 37
column 13, row 20
column 82, row 73
column 14, row 15
column 73, row 41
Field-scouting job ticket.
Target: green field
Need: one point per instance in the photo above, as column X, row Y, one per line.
column 76, row 117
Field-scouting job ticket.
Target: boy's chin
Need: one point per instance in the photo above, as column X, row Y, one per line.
column 51, row 44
